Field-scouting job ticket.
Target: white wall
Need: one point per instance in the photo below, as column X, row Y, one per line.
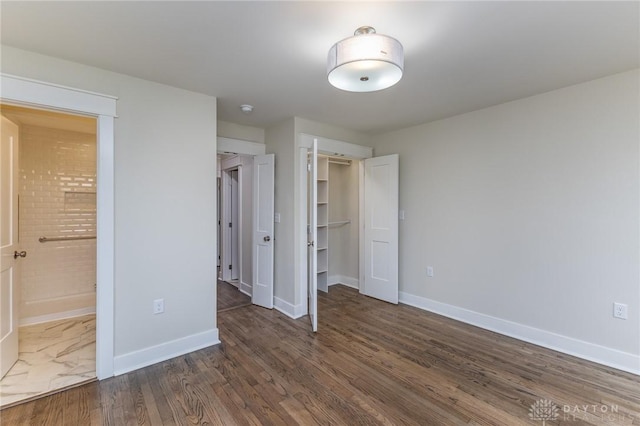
column 280, row 140
column 165, row 207
column 57, row 199
column 230, row 130
column 529, row 213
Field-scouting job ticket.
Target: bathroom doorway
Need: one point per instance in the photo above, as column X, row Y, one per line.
column 57, row 232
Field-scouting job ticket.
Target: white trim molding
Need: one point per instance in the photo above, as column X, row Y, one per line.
column 245, row 288
column 32, row 93
column 290, row 310
column 344, row 280
column 28, row 92
column 335, row 147
column 602, row 355
column 238, row 146
column 57, row 316
column 164, row 351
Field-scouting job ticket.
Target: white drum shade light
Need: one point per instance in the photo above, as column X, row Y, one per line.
column 366, row 62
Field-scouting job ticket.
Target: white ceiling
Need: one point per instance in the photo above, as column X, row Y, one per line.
column 459, row 56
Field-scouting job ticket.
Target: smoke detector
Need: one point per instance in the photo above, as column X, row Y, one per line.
column 246, row 108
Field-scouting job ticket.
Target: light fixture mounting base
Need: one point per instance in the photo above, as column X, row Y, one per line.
column 364, row 30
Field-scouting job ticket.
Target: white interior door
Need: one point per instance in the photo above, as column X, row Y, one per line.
column 225, row 254
column 9, row 270
column 312, row 251
column 234, row 225
column 381, row 228
column 219, row 203
column 263, row 227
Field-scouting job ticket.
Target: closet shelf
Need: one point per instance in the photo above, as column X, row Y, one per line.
column 340, row 223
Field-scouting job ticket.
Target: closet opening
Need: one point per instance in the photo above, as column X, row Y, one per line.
column 338, row 220
column 348, row 221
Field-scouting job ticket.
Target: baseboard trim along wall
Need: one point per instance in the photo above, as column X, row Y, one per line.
column 245, row 288
column 344, row 280
column 57, row 316
column 290, row 310
column 154, row 354
column 610, row 357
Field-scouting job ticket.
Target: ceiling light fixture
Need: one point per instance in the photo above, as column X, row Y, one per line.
column 246, row 108
column 366, row 62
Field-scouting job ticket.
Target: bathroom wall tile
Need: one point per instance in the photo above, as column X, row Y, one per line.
column 56, row 166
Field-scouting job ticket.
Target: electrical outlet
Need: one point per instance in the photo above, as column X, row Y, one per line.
column 430, row 271
column 158, row 306
column 620, row 310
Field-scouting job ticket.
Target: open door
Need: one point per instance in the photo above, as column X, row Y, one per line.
column 9, row 270
column 381, row 228
column 312, row 251
column 263, row 227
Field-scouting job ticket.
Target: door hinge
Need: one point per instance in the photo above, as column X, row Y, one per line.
column 308, row 167
column 229, row 224
column 230, row 267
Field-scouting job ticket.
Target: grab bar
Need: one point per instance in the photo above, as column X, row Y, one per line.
column 47, row 240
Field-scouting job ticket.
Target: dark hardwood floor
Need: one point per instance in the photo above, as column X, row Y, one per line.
column 229, row 297
column 370, row 363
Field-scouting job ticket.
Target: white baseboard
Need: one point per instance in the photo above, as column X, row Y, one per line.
column 57, row 316
column 568, row 345
column 164, row 351
column 245, row 288
column 290, row 310
column 344, row 280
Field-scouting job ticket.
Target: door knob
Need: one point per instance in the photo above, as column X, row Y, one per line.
column 17, row 254
column 267, row 238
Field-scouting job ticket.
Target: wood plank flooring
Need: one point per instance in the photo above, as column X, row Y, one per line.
column 370, row 363
column 229, row 297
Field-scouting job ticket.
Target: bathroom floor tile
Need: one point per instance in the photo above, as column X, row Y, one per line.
column 52, row 356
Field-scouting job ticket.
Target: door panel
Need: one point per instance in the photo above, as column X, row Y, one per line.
column 381, row 228
column 312, row 253
column 9, row 268
column 235, row 225
column 263, row 227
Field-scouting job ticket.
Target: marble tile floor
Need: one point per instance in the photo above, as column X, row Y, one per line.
column 52, row 356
